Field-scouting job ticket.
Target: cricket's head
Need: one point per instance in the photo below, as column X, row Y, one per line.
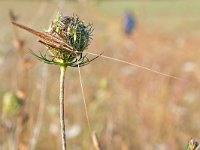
column 72, row 30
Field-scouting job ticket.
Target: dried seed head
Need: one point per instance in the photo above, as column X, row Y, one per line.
column 74, row 33
column 72, row 30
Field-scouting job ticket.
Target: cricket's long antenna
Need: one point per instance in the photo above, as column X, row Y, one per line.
column 84, row 101
column 133, row 64
column 52, row 41
column 93, row 134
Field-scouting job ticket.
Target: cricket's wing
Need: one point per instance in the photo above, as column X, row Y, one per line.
column 44, row 36
column 55, row 45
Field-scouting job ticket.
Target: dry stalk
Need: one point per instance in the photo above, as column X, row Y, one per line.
column 38, row 125
column 95, row 141
column 22, row 118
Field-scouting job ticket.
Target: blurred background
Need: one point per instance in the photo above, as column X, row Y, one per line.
column 129, row 108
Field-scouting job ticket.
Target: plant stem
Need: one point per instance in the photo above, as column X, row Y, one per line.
column 62, row 116
column 41, row 109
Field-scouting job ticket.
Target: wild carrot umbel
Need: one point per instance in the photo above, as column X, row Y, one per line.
column 66, row 39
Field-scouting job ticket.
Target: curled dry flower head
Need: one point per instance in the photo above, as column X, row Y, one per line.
column 66, row 40
column 193, row 145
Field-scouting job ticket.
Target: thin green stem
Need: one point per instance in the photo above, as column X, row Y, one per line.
column 62, row 116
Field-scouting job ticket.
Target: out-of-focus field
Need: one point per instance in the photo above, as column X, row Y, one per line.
column 129, row 108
